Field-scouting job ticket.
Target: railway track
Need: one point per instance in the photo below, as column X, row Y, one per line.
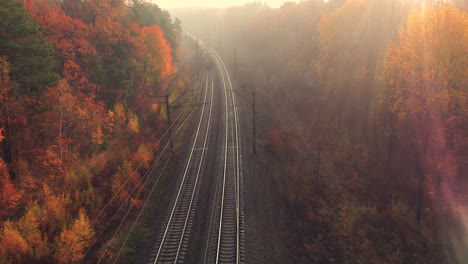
column 173, row 243
column 224, row 238
column 228, row 220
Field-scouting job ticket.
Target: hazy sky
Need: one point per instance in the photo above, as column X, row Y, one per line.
column 211, row 3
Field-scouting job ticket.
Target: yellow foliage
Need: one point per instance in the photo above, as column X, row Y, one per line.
column 162, row 113
column 340, row 28
column 75, row 240
column 110, row 121
column 143, row 157
column 180, row 84
column 55, row 211
column 13, row 246
column 133, row 123
column 29, row 225
column 119, row 113
column 425, row 71
column 173, row 96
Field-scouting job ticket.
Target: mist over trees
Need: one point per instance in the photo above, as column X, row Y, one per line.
column 363, row 121
column 382, row 86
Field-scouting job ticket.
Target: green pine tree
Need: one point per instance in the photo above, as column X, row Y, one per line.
column 21, row 41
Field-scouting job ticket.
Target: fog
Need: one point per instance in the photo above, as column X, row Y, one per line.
column 344, row 75
column 210, row 3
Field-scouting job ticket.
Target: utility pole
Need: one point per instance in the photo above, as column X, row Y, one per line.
column 420, row 194
column 169, row 123
column 168, row 113
column 318, row 162
column 254, row 128
column 196, row 55
column 235, row 64
column 220, row 43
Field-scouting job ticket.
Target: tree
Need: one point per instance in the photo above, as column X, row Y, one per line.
column 157, row 60
column 30, row 227
column 32, row 63
column 125, row 182
column 9, row 195
column 425, row 77
column 13, row 247
column 53, row 130
column 55, row 213
column 69, row 36
column 148, row 14
column 353, row 39
column 74, row 240
column 4, row 100
column 27, row 59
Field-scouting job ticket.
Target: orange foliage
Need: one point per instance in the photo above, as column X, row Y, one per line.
column 68, row 35
column 9, row 196
column 98, row 136
column 159, row 57
column 60, row 133
column 75, row 76
column 79, row 118
column 125, row 182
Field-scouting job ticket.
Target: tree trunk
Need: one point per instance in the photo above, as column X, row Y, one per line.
column 6, row 144
column 420, row 171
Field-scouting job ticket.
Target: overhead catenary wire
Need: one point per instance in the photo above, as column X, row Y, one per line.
column 223, row 70
column 93, row 148
column 121, row 206
column 146, row 177
column 128, row 178
column 161, row 153
column 149, row 196
column 185, row 176
column 199, row 168
column 144, row 185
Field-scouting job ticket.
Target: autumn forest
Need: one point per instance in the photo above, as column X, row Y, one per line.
column 362, row 121
column 78, row 114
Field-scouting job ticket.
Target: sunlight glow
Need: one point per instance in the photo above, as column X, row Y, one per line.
column 210, row 3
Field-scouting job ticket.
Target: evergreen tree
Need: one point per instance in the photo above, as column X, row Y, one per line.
column 31, row 58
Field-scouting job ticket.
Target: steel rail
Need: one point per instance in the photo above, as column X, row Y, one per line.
column 184, row 178
column 223, row 71
column 199, row 169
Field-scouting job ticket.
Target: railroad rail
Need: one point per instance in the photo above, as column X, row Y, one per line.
column 225, row 239
column 173, row 243
column 229, row 217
